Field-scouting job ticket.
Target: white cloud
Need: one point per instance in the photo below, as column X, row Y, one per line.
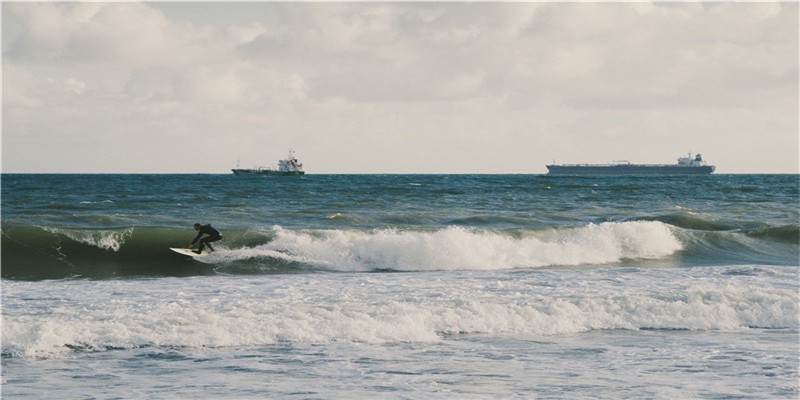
column 73, row 85
column 246, row 33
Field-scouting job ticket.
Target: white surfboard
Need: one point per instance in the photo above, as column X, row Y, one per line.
column 188, row 252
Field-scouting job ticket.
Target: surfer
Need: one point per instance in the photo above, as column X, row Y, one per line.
column 213, row 236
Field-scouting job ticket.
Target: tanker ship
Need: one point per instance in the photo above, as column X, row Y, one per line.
column 685, row 166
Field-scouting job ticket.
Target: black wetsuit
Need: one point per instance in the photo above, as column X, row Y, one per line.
column 213, row 236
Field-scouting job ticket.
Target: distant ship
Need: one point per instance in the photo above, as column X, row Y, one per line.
column 685, row 166
column 289, row 166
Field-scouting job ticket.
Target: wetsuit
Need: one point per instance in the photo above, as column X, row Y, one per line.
column 213, row 236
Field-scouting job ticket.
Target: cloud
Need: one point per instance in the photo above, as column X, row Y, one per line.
column 367, row 87
column 246, row 33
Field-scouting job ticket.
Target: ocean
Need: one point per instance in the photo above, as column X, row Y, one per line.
column 401, row 286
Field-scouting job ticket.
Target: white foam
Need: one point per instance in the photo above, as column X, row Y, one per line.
column 375, row 308
column 456, row 248
column 103, row 239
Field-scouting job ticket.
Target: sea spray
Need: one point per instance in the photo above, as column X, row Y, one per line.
column 106, row 239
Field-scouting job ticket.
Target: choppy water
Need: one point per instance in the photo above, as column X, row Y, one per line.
column 409, row 286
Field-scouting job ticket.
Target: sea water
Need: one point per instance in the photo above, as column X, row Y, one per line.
column 401, row 286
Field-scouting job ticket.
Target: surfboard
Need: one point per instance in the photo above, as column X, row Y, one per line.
column 187, row 252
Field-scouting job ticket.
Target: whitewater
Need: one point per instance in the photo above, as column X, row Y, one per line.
column 401, row 286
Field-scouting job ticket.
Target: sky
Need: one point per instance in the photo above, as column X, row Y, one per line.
column 397, row 87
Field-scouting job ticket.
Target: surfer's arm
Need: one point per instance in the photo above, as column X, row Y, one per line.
column 196, row 238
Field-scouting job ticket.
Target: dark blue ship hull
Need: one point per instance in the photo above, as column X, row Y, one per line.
column 628, row 169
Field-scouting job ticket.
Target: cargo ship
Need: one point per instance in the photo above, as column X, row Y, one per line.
column 685, row 166
column 287, row 167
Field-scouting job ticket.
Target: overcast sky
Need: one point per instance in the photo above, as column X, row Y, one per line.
column 397, row 87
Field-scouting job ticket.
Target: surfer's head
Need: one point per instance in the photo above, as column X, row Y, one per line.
column 197, row 227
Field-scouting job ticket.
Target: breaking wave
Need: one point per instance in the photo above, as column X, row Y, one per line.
column 456, row 248
column 31, row 252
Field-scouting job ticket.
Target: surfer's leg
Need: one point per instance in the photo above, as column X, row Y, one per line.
column 202, row 245
column 208, row 241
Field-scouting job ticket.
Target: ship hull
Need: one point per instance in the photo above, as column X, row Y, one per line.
column 259, row 172
column 628, row 169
